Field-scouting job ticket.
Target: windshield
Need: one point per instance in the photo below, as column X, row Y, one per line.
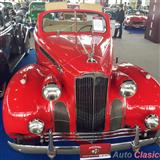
column 37, row 7
column 135, row 12
column 73, row 21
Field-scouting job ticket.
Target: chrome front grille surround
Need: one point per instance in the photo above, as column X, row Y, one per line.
column 91, row 96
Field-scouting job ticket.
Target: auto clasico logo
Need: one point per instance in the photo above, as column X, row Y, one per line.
column 137, row 155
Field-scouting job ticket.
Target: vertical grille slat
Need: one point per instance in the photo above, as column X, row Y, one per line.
column 91, row 94
column 100, row 100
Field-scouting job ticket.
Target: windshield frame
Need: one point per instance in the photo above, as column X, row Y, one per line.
column 42, row 14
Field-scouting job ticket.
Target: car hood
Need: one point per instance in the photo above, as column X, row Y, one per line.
column 71, row 49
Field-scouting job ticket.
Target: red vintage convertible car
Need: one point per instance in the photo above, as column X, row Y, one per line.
column 76, row 93
column 135, row 19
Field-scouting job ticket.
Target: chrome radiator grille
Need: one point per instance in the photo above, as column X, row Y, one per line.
column 91, row 94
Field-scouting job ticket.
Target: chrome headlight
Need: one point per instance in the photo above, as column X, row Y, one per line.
column 36, row 126
column 152, row 121
column 128, row 88
column 51, row 92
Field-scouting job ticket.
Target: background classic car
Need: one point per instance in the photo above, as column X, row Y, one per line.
column 11, row 5
column 111, row 11
column 135, row 19
column 79, row 93
column 14, row 43
column 35, row 7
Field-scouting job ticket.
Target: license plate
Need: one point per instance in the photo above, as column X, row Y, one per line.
column 95, row 151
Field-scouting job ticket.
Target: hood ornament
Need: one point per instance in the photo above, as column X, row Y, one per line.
column 91, row 58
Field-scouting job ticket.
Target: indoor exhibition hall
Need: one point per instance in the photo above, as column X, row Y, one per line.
column 79, row 79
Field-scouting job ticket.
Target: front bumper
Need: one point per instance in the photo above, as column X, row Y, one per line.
column 135, row 25
column 52, row 150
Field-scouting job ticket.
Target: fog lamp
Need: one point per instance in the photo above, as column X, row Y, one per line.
column 36, row 126
column 152, row 121
column 51, row 92
column 128, row 88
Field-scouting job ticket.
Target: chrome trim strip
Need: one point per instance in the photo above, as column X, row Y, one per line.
column 51, row 59
column 93, row 136
column 26, row 35
column 88, row 139
column 92, row 133
column 4, row 32
column 12, row 68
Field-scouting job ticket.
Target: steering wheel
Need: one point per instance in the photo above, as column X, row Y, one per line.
column 88, row 25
